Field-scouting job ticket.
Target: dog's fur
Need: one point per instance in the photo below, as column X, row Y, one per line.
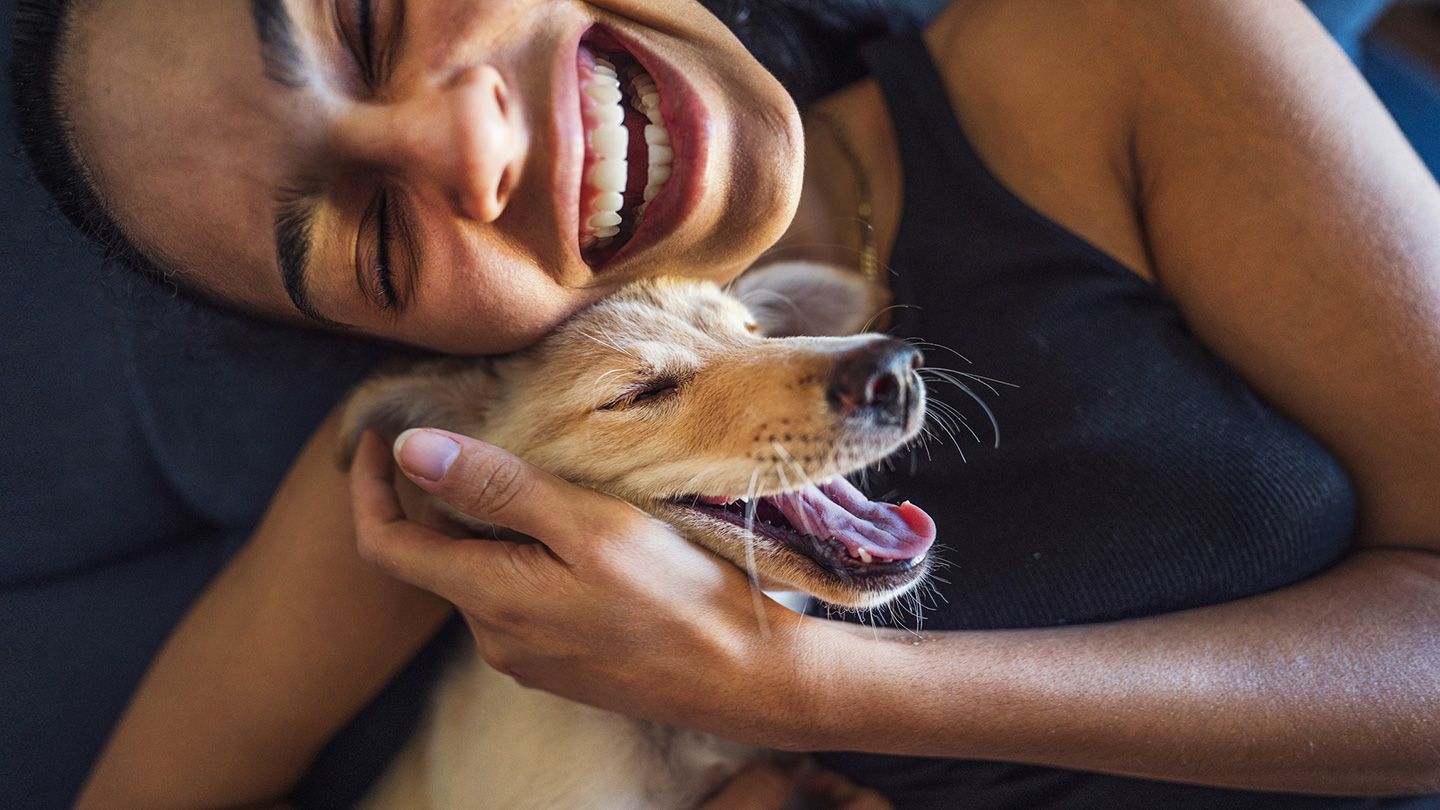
column 666, row 389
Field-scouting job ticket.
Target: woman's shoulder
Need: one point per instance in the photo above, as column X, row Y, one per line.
column 1043, row 92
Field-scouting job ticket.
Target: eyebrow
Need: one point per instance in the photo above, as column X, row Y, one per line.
column 295, row 208
column 294, row 234
column 279, row 49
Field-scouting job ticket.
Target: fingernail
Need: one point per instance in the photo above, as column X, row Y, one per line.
column 424, row 454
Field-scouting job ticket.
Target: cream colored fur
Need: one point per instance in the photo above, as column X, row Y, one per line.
column 665, row 389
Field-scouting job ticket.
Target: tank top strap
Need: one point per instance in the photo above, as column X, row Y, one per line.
column 926, row 128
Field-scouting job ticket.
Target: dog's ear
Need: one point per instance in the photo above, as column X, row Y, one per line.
column 446, row 394
column 808, row 298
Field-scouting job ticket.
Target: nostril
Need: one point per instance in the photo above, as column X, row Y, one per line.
column 873, row 378
column 882, row 390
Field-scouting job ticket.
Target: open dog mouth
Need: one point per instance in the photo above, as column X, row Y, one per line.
column 628, row 153
column 833, row 525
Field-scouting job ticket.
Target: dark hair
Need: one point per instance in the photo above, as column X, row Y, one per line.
column 810, row 45
column 45, row 132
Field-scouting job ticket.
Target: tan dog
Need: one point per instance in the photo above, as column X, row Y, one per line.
column 711, row 416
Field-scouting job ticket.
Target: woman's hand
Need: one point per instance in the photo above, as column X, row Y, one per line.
column 610, row 608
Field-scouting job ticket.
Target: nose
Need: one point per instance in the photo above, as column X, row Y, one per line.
column 875, row 379
column 464, row 136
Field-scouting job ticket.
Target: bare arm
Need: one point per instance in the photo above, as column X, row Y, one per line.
column 1326, row 687
column 291, row 640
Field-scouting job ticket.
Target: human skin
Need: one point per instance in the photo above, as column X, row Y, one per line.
column 1225, row 151
column 472, row 134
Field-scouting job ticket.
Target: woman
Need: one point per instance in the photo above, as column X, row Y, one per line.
column 1169, row 223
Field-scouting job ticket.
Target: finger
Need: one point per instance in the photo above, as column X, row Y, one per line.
column 407, row 550
column 497, row 487
column 372, row 481
column 762, row 786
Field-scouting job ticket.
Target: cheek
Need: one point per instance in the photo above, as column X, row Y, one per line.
column 492, row 313
column 478, row 294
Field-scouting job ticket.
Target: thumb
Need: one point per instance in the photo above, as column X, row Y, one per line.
column 497, row 487
column 762, row 786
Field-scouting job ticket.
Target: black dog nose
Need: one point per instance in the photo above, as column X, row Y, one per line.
column 875, row 377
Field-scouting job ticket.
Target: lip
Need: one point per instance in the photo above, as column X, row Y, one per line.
column 568, row 130
column 846, row 584
column 686, row 117
column 832, row 559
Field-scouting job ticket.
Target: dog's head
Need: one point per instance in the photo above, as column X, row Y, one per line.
column 710, row 415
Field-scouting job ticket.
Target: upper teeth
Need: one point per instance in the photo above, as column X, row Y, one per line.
column 610, row 142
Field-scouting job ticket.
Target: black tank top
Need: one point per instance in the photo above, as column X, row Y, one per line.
column 1135, row 472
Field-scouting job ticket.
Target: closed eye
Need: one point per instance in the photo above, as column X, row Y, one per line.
column 374, row 270
column 655, row 393
column 356, row 22
column 645, row 394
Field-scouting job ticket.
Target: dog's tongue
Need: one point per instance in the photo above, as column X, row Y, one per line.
column 882, row 531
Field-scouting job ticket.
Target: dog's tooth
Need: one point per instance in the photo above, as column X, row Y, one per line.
column 921, row 558
column 865, row 557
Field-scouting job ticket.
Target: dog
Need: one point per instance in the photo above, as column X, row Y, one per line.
column 736, row 424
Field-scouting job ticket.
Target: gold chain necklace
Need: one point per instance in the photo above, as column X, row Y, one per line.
column 864, row 211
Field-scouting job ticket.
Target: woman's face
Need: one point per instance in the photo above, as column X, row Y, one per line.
column 440, row 172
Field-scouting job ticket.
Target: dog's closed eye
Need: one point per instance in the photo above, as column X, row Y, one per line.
column 642, row 394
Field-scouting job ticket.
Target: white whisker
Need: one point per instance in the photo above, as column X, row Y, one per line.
column 757, row 596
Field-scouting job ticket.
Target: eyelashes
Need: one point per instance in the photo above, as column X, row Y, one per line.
column 385, row 258
column 372, row 31
column 644, row 394
column 355, row 21
column 373, row 269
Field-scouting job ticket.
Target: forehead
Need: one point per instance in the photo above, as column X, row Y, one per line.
column 178, row 128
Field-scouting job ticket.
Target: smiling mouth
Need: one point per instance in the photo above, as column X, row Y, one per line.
column 629, row 155
column 833, row 525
